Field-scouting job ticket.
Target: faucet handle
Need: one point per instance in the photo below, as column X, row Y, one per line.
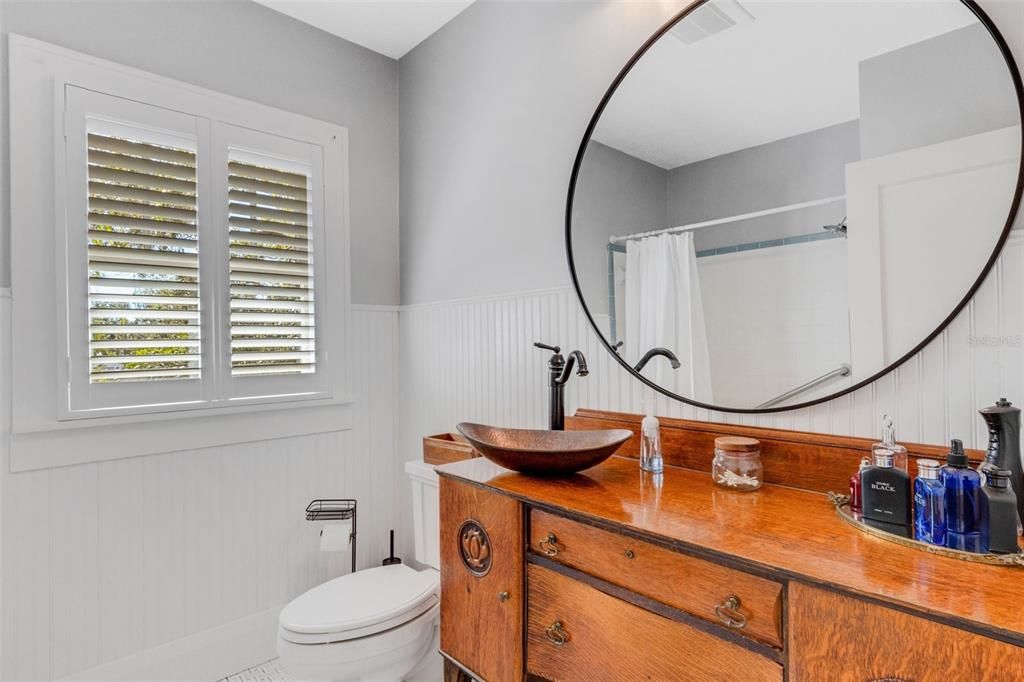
column 544, row 346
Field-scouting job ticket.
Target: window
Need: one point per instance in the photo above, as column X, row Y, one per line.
column 143, row 252
column 273, row 230
column 190, row 256
column 273, row 321
column 181, row 278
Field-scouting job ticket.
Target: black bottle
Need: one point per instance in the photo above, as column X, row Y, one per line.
column 1003, row 422
column 998, row 513
column 885, row 496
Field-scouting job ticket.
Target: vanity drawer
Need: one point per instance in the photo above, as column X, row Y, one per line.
column 599, row 637
column 834, row 637
column 684, row 582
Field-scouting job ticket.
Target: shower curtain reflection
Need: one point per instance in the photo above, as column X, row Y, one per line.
column 664, row 308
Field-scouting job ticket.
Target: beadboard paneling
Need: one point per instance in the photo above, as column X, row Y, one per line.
column 473, row 360
column 107, row 559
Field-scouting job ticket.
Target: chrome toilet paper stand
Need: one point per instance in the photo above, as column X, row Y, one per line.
column 335, row 510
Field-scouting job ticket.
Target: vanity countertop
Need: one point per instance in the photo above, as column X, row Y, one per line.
column 778, row 529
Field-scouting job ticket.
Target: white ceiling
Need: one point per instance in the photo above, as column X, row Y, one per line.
column 792, row 70
column 390, row 27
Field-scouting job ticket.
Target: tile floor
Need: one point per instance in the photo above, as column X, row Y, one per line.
column 267, row 672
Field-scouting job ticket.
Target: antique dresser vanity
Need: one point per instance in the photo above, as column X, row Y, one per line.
column 774, row 205
column 604, row 576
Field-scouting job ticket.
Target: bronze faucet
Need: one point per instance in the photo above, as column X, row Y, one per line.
column 559, row 371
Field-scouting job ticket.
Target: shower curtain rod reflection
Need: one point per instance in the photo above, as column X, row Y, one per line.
column 731, row 219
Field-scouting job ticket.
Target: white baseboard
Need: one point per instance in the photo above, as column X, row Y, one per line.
column 203, row 657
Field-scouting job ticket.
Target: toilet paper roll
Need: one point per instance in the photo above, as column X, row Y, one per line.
column 334, row 536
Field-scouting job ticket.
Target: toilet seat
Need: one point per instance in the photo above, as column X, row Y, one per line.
column 359, row 604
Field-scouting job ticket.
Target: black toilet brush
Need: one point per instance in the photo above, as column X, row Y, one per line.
column 392, row 559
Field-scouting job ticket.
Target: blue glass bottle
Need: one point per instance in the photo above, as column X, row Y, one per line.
column 963, row 501
column 929, row 504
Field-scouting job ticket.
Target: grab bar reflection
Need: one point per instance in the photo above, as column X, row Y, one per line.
column 840, row 371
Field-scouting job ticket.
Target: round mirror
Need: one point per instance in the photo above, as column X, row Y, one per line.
column 778, row 202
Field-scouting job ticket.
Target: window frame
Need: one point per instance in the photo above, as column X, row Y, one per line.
column 44, row 431
column 238, row 388
column 215, row 135
column 86, row 399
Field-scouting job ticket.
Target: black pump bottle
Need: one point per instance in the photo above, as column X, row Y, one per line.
column 1003, row 421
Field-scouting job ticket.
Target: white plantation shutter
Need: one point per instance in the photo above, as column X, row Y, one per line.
column 187, row 278
column 143, row 259
column 273, row 325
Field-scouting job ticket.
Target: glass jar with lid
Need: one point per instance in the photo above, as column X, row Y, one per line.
column 737, row 463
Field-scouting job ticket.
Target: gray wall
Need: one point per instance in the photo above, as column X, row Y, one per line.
column 616, row 194
column 620, row 194
column 493, row 108
column 244, row 49
column 937, row 90
column 789, row 171
column 947, row 87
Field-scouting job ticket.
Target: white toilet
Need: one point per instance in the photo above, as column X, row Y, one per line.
column 376, row 624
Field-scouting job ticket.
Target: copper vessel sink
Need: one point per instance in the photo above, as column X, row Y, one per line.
column 544, row 453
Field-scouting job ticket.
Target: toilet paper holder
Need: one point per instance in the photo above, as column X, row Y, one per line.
column 335, row 510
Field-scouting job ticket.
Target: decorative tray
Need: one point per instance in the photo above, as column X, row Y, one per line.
column 842, row 506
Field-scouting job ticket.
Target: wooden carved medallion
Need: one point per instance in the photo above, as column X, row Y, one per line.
column 475, row 548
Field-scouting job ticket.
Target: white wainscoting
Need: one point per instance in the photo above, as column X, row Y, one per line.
column 105, row 560
column 473, row 360
column 108, row 560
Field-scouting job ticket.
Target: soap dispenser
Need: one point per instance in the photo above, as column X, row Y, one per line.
column 1003, row 422
column 963, row 501
column 650, row 442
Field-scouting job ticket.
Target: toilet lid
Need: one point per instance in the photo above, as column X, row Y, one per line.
column 361, row 600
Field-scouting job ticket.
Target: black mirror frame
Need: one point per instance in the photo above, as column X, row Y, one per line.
column 1015, row 76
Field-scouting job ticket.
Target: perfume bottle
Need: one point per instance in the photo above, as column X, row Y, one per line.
column 889, row 444
column 885, row 495
column 855, row 496
column 963, row 501
column 929, row 504
column 998, row 513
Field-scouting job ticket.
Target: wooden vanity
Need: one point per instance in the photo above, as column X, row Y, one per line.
column 606, row 576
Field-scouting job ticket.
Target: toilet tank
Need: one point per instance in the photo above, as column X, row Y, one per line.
column 425, row 512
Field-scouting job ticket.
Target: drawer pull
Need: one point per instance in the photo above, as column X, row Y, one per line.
column 630, row 554
column 503, row 596
column 729, row 612
column 556, row 633
column 549, row 546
